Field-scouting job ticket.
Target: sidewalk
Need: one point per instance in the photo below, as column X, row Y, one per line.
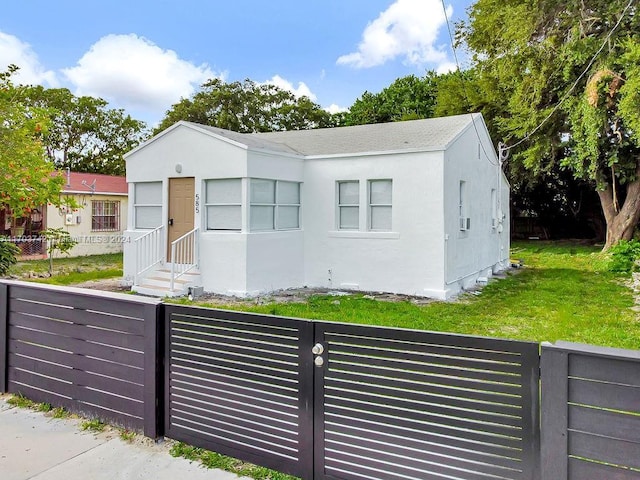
column 36, row 447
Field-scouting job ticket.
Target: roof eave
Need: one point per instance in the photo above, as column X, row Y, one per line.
column 435, row 148
column 86, row 192
column 186, row 124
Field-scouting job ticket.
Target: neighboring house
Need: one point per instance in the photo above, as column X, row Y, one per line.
column 417, row 207
column 98, row 222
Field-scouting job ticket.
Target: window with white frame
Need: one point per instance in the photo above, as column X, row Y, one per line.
column 494, row 209
column 380, row 196
column 465, row 221
column 274, row 205
column 349, row 205
column 223, row 204
column 105, row 215
column 147, row 207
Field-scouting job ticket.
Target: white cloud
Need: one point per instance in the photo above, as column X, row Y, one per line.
column 446, row 67
column 333, row 108
column 407, row 29
column 16, row 52
column 301, row 91
column 133, row 73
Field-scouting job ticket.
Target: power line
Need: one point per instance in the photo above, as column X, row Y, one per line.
column 464, row 88
column 575, row 84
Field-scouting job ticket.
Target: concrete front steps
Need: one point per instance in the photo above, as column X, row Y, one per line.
column 157, row 283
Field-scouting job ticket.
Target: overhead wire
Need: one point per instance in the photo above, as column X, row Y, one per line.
column 575, row 84
column 464, row 87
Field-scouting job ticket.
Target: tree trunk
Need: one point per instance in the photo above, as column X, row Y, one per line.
column 621, row 224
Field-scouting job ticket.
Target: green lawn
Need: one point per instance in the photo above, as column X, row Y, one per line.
column 70, row 270
column 563, row 293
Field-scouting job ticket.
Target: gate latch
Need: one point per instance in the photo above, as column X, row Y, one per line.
column 317, row 350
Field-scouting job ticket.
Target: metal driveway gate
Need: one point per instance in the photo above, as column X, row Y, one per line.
column 334, row 401
column 241, row 385
column 401, row 404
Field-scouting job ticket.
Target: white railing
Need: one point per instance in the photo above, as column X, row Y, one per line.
column 149, row 251
column 184, row 255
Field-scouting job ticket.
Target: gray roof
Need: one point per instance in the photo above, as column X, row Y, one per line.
column 246, row 139
column 428, row 134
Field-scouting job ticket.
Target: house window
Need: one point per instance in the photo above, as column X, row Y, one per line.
column 349, row 205
column 274, row 205
column 105, row 216
column 494, row 209
column 147, row 208
column 223, row 204
column 465, row 222
column 380, row 205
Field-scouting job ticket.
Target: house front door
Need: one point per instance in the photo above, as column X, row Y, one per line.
column 181, row 209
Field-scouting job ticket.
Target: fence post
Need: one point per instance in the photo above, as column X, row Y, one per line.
column 4, row 337
column 153, row 374
column 554, row 366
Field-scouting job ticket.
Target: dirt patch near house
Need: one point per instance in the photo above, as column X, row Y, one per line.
column 294, row 295
column 301, row 295
column 105, row 284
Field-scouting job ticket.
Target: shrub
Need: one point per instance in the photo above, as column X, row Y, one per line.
column 624, row 256
column 8, row 255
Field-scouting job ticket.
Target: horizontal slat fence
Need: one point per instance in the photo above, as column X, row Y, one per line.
column 94, row 353
column 591, row 413
column 398, row 404
column 241, row 385
column 326, row 400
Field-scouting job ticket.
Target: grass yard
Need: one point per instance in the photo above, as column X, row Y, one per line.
column 563, row 293
column 70, row 270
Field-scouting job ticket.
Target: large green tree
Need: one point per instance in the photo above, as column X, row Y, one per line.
column 28, row 180
column 85, row 135
column 407, row 98
column 565, row 79
column 247, row 107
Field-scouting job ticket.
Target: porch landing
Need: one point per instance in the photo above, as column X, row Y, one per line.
column 158, row 283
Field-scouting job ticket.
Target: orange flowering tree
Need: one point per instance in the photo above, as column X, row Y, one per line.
column 27, row 178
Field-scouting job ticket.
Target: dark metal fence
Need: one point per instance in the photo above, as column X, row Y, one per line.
column 399, row 404
column 326, row 400
column 92, row 352
column 241, row 384
column 590, row 413
column 384, row 403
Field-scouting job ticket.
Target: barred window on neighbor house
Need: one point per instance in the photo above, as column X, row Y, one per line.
column 105, row 216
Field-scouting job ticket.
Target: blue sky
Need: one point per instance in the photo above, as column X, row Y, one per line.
column 144, row 56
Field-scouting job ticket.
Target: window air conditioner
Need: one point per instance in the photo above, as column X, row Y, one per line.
column 465, row 224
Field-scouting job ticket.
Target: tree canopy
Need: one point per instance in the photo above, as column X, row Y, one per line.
column 563, row 82
column 84, row 134
column 407, row 98
column 28, row 180
column 247, row 107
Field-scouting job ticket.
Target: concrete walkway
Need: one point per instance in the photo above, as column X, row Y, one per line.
column 36, row 447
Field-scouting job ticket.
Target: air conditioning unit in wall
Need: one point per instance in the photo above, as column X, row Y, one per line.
column 465, row 224
column 494, row 223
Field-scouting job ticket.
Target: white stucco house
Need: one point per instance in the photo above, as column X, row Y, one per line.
column 417, row 207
